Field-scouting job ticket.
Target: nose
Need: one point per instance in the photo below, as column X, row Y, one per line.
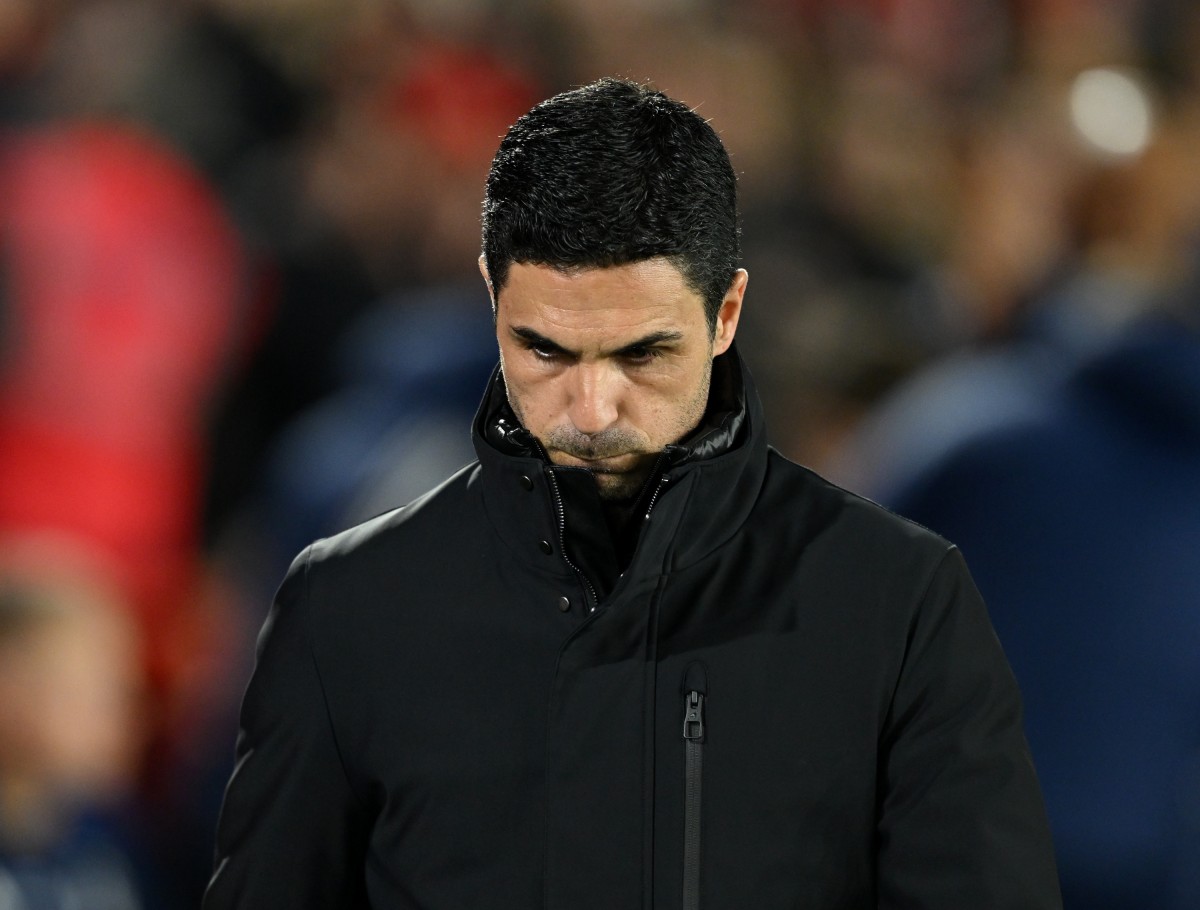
column 594, row 401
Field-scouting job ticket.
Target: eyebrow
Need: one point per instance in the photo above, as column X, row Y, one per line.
column 532, row 336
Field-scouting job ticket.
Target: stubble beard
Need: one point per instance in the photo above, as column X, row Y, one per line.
column 624, row 486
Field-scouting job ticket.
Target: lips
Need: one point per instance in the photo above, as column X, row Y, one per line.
column 614, row 464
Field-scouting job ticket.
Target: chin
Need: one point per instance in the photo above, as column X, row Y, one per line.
column 618, row 487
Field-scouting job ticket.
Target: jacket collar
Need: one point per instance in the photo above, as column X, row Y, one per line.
column 700, row 494
column 720, row 429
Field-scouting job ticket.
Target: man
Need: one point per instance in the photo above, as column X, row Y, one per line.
column 631, row 657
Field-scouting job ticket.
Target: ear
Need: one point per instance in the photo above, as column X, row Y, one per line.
column 487, row 279
column 729, row 313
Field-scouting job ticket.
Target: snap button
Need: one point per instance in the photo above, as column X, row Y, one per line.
column 564, row 604
column 526, row 482
column 545, row 547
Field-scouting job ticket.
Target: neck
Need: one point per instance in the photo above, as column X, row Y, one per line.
column 622, row 515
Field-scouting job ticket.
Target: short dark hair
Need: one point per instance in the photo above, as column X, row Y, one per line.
column 608, row 174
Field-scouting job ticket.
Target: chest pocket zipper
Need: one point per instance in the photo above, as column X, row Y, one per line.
column 695, row 690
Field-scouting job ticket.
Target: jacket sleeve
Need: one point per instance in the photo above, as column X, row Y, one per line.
column 961, row 818
column 291, row 834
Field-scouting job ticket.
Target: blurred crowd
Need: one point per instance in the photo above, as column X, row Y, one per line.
column 240, row 309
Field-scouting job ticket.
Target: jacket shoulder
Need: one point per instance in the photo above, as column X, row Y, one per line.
column 427, row 521
column 827, row 512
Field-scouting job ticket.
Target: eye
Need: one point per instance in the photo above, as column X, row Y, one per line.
column 543, row 351
column 640, row 355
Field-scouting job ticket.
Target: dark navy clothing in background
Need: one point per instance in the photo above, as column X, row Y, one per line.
column 88, row 868
column 1080, row 517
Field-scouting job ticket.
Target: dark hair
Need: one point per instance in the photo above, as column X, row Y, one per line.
column 608, row 174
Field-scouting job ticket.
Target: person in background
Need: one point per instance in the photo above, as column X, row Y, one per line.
column 70, row 732
column 1066, row 463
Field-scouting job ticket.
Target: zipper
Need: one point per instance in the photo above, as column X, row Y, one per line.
column 593, row 600
column 527, row 438
column 661, row 475
column 695, row 689
column 662, row 482
column 562, row 541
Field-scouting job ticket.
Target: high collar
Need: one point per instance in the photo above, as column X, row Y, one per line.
column 719, row 431
column 698, row 496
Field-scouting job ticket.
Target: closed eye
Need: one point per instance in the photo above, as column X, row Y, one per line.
column 650, row 348
column 541, row 347
column 637, row 353
column 640, row 354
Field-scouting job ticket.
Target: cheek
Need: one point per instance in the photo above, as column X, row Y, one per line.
column 531, row 394
column 665, row 410
column 685, row 408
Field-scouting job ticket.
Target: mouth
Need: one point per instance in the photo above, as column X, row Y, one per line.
column 613, row 464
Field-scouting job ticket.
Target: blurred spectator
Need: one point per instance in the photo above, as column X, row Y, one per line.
column 414, row 369
column 122, row 280
column 1065, row 461
column 1081, row 518
column 69, row 733
column 1049, row 272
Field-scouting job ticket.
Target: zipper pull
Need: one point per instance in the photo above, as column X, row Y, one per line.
column 693, row 718
column 695, row 688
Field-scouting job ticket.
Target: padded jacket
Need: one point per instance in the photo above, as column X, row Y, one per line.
column 787, row 698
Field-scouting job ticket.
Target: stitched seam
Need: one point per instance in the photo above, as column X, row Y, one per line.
column 914, row 608
column 308, row 633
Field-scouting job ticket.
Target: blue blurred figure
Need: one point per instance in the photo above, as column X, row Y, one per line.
column 1079, row 510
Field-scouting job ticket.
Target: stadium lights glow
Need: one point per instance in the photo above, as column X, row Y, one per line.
column 1112, row 112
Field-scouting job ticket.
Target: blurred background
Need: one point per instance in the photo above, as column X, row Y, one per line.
column 239, row 309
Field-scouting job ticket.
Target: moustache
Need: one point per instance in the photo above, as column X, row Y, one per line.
column 605, row 444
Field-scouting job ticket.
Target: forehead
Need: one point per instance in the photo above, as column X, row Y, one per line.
column 615, row 300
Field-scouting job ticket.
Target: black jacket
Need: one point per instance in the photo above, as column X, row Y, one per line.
column 807, row 684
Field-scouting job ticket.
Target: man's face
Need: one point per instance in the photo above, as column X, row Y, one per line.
column 606, row 366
